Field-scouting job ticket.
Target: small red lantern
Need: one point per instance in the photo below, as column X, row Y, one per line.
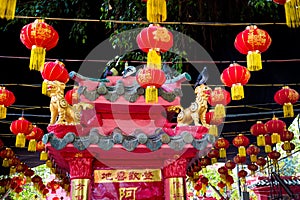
column 292, row 14
column 235, row 76
column 39, row 37
column 274, row 155
column 72, row 96
column 268, row 145
column 252, row 151
column 7, row 98
column 253, row 168
column 223, row 171
column 35, row 135
column 213, row 154
column 204, row 161
column 287, row 97
column 242, row 175
column 230, row 165
column 54, row 71
column 151, row 79
column 219, row 98
column 21, row 128
column 253, row 41
column 204, row 183
column 229, row 181
column 289, row 148
column 221, row 186
column 286, row 137
column 213, row 121
column 241, row 142
column 239, row 159
column 259, row 130
column 275, row 127
column 222, row 144
column 28, row 173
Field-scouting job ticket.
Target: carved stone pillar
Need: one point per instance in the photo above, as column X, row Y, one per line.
column 174, row 179
column 81, row 176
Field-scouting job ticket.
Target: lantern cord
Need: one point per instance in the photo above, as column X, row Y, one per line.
column 146, row 22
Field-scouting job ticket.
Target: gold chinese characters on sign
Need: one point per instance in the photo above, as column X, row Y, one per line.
column 132, row 175
column 80, row 189
column 127, row 193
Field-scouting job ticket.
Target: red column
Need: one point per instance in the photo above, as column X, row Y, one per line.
column 81, row 176
column 174, row 179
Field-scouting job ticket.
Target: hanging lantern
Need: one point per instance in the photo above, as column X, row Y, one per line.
column 213, row 154
column 7, row 154
column 54, row 71
column 230, row 165
column 223, row 171
column 287, row 97
column 213, row 121
column 253, row 41
column 274, row 155
column 253, row 151
column 253, row 168
column 35, row 135
column 7, row 98
column 286, row 137
column 261, row 162
column 239, row 159
column 8, row 9
column 241, row 142
column 72, row 96
column 259, row 130
column 229, row 181
column 204, row 162
column 222, row 144
column 288, row 149
column 235, row 76
column 21, row 128
column 219, row 98
column 221, row 186
column 28, row 173
column 151, row 80
column 268, row 145
column 39, row 37
column 275, row 127
column 292, row 13
column 242, row 175
column 204, row 183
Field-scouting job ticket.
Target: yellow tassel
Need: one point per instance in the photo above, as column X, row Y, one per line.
column 32, row 145
column 12, row 170
column 229, row 171
column 5, row 162
column 221, row 190
column 151, row 94
column 213, row 130
column 292, row 13
column 268, row 148
column 49, row 163
column 288, row 110
column 254, row 61
column 153, row 59
column 2, row 190
column 44, row 88
column 237, row 92
column 253, row 158
column 261, row 140
column 20, row 140
column 275, row 138
column 214, row 160
column 37, row 58
column 156, row 11
column 203, row 188
column 287, row 146
column 222, row 153
column 229, row 186
column 219, row 112
column 242, row 151
column 44, row 156
column 3, row 111
column 8, row 9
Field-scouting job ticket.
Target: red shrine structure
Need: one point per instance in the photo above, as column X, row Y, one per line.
column 114, row 145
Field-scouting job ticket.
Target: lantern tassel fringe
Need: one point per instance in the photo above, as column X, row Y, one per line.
column 254, row 62
column 237, row 91
column 292, row 13
column 288, row 110
column 8, row 9
column 151, row 94
column 3, row 111
column 153, row 59
column 37, row 58
column 156, row 11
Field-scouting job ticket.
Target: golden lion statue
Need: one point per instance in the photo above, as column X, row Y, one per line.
column 197, row 110
column 61, row 111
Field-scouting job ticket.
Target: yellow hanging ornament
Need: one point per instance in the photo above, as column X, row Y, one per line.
column 292, row 13
column 237, row 91
column 8, row 9
column 254, row 62
column 156, row 11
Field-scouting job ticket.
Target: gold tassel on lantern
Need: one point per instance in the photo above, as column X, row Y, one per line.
column 44, row 88
column 268, row 148
column 12, row 170
column 237, row 91
column 292, row 13
column 287, row 146
column 44, row 155
column 37, row 58
column 288, row 110
column 222, row 153
column 253, row 158
column 242, row 151
column 261, row 140
column 3, row 111
column 213, row 130
column 219, row 111
column 203, row 188
column 8, row 9
column 32, row 145
column 275, row 138
column 5, row 162
column 153, row 59
column 151, row 94
column 254, row 61
column 20, row 140
column 156, row 11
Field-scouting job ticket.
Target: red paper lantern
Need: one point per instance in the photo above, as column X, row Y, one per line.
column 21, row 128
column 292, row 13
column 39, row 37
column 151, row 79
column 204, row 161
column 219, row 98
column 287, row 97
column 54, row 71
column 222, row 144
column 275, row 127
column 253, row 41
column 7, row 98
column 213, row 122
column 213, row 154
column 253, row 168
column 221, row 186
column 72, row 96
column 230, row 165
column 252, row 151
column 241, row 142
column 204, row 182
column 259, row 130
column 242, row 175
column 289, row 148
column 286, row 137
column 274, row 155
column 239, row 159
column 235, row 76
column 280, row 2
column 229, row 181
column 35, row 135
column 268, row 145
